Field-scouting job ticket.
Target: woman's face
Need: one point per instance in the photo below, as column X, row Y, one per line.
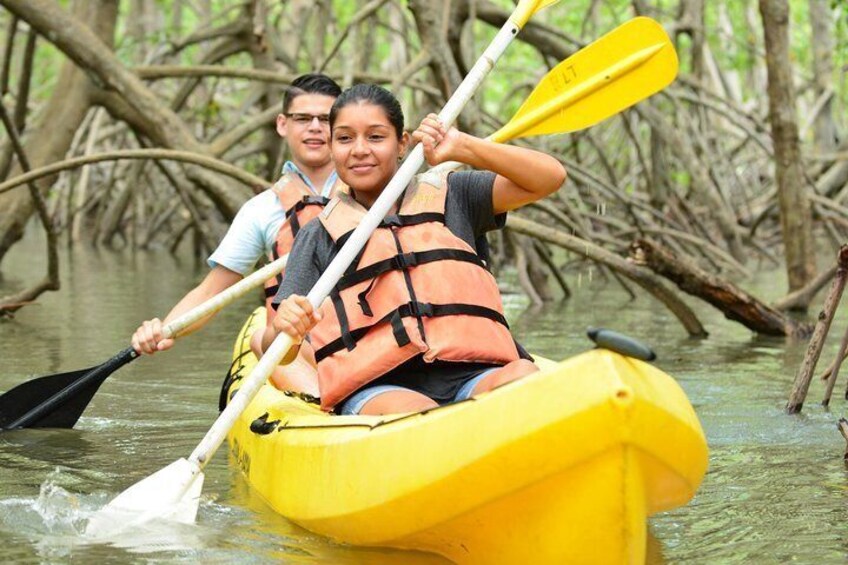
column 366, row 149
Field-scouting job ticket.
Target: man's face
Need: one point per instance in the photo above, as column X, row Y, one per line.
column 306, row 129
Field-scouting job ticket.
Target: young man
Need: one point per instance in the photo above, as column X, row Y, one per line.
column 266, row 224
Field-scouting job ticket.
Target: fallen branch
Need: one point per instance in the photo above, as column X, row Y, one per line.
column 735, row 303
column 640, row 275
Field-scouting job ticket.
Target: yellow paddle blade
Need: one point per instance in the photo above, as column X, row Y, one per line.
column 625, row 66
column 526, row 8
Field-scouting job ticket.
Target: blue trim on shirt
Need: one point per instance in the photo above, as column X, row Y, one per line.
column 290, row 167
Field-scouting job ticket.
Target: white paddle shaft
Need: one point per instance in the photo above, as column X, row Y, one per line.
column 357, row 240
column 225, row 297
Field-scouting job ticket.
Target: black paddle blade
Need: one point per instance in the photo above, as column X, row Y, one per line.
column 17, row 402
column 56, row 401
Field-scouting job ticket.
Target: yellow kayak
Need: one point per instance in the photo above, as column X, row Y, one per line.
column 563, row 466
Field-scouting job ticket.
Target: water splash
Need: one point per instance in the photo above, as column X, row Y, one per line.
column 54, row 523
column 54, row 512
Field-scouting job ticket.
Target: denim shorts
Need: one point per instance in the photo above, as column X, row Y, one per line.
column 353, row 405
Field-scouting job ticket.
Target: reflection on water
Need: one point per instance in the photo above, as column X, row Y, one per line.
column 776, row 490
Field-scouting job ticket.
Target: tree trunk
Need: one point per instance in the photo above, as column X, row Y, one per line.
column 691, row 22
column 821, row 41
column 272, row 94
column 795, row 215
column 50, row 138
column 298, row 17
column 659, row 190
column 433, row 20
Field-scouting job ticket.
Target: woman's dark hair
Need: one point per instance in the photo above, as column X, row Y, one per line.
column 312, row 83
column 371, row 94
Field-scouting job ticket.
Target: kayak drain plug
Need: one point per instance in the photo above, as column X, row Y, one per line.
column 623, row 396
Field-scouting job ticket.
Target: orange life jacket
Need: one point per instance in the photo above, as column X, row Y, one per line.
column 415, row 288
column 301, row 206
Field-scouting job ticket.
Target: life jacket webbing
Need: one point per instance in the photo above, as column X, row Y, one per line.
column 398, row 221
column 416, row 309
column 294, row 196
column 291, row 213
column 271, row 291
column 406, row 260
column 413, row 297
column 341, row 314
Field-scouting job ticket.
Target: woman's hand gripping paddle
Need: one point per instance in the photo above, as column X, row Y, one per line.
column 57, row 401
column 173, row 492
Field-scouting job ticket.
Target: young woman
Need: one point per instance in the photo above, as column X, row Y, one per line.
column 417, row 320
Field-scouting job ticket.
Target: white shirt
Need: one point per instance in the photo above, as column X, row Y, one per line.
column 253, row 233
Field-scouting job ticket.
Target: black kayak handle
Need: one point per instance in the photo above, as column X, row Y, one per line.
column 621, row 343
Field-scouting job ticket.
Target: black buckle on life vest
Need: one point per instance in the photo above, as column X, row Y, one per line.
column 393, row 221
column 404, row 261
column 307, row 200
column 310, row 199
column 421, row 309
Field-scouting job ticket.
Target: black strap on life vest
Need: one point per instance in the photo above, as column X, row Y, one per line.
column 294, row 225
column 416, row 309
column 402, row 221
column 271, row 291
column 307, row 200
column 398, row 221
column 403, row 261
column 413, row 298
column 344, row 324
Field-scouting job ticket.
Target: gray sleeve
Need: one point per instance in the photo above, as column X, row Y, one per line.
column 304, row 266
column 470, row 198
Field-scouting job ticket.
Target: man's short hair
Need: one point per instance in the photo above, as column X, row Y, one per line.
column 312, row 83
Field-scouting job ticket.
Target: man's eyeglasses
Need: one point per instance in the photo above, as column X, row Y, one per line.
column 306, row 119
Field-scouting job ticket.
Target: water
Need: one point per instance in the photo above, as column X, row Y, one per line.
column 776, row 491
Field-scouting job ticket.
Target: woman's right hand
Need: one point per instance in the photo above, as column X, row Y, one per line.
column 148, row 338
column 295, row 317
column 440, row 144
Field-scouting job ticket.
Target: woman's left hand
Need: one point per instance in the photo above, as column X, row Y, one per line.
column 440, row 144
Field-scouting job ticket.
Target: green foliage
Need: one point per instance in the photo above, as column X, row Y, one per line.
column 681, row 177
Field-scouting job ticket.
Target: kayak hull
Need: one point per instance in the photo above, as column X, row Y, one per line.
column 562, row 466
